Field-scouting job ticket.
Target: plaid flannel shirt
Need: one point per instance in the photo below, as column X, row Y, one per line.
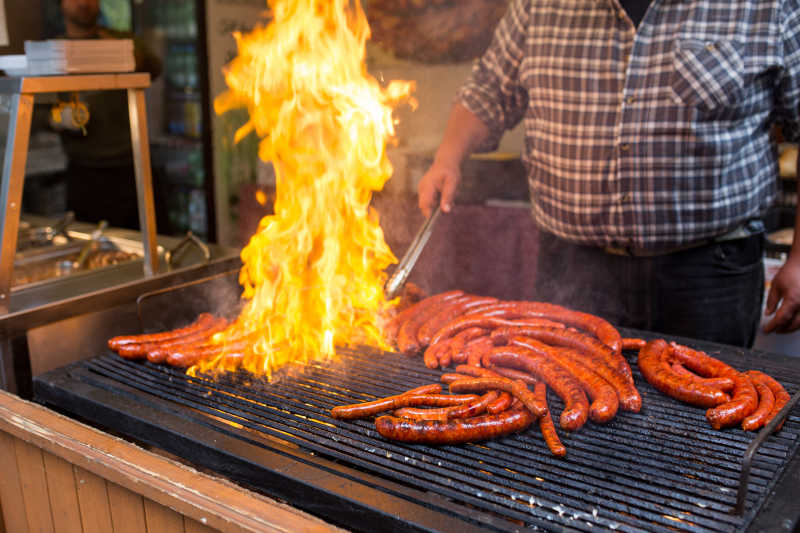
column 653, row 137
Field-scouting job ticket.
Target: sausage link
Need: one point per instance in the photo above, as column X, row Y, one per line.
column 422, row 413
column 599, row 327
column 628, row 343
column 570, row 339
column 743, row 402
column 605, row 401
column 546, row 425
column 628, row 396
column 516, row 388
column 456, row 343
column 407, row 341
column 457, row 308
column 451, row 377
column 455, row 431
column 158, row 352
column 366, row 409
column 655, row 367
column 576, row 409
column 433, row 388
column 701, row 363
column 203, row 319
column 781, row 396
column 392, row 327
column 723, row 383
column 513, row 373
column 502, row 403
column 478, row 407
column 476, row 348
column 766, row 402
column 486, row 320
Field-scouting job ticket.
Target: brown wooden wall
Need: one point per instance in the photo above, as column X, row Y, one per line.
column 57, row 475
column 42, row 492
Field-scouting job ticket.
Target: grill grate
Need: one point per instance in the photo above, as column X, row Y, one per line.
column 663, row 469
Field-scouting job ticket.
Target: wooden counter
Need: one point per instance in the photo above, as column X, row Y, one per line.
column 59, row 475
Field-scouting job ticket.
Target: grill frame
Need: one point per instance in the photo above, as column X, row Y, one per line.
column 363, row 499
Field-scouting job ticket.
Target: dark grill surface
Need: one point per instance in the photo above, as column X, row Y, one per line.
column 664, row 469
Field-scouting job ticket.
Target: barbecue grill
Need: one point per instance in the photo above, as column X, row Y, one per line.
column 663, row 469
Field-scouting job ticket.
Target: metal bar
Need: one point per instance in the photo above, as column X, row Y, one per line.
column 74, row 82
column 747, row 460
column 16, row 154
column 400, row 275
column 144, row 179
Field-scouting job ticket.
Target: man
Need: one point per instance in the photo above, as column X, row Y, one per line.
column 647, row 144
column 100, row 177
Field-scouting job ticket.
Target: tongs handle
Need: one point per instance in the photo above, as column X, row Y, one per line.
column 400, row 274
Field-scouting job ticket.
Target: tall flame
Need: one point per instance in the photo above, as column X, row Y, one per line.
column 313, row 273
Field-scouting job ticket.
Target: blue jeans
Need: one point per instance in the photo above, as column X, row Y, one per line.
column 712, row 292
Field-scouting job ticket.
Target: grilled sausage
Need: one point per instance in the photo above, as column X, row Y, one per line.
column 407, row 341
column 367, row 409
column 743, row 402
column 546, row 425
column 513, row 373
column 570, row 339
column 599, row 327
column 781, row 396
column 392, row 327
column 158, row 352
column 632, row 343
column 476, row 348
column 457, row 342
column 486, row 321
column 576, row 409
column 628, row 396
column 455, row 431
column 189, row 356
column 766, row 403
column 516, row 388
column 502, row 403
column 433, row 388
column 701, row 363
column 605, row 401
column 456, row 308
column 655, row 367
column 203, row 321
column 723, row 383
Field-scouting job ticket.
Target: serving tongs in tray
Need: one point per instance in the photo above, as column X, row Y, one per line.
column 398, row 278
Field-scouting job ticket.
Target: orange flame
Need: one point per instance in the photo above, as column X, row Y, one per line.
column 313, row 273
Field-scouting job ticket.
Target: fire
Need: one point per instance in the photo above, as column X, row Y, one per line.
column 314, row 272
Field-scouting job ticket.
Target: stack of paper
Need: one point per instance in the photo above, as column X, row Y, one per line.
column 79, row 56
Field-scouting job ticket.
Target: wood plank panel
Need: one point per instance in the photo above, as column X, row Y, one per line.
column 10, row 487
column 161, row 519
column 63, row 495
column 93, row 502
column 127, row 510
column 34, row 486
column 193, row 526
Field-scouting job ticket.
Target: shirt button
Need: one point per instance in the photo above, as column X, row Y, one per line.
column 626, row 197
column 630, row 99
column 624, row 147
column 710, row 47
column 621, row 15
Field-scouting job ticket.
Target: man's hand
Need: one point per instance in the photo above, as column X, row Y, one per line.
column 784, row 295
column 439, row 184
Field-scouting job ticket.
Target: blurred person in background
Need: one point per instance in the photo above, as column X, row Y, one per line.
column 647, row 144
column 101, row 183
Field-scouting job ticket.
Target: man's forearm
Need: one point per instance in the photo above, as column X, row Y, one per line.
column 463, row 134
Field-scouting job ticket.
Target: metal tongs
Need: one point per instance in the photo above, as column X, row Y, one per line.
column 400, row 274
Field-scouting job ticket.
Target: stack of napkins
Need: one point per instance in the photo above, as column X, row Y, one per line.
column 79, row 56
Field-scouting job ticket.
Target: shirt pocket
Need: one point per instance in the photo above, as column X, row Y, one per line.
column 707, row 75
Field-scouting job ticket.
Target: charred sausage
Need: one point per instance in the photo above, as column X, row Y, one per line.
column 766, row 403
column 455, row 431
column 546, row 425
column 743, row 402
column 576, row 410
column 655, row 367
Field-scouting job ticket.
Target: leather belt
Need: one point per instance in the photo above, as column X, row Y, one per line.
column 749, row 228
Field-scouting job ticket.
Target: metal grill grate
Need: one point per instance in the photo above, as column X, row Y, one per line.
column 663, row 469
